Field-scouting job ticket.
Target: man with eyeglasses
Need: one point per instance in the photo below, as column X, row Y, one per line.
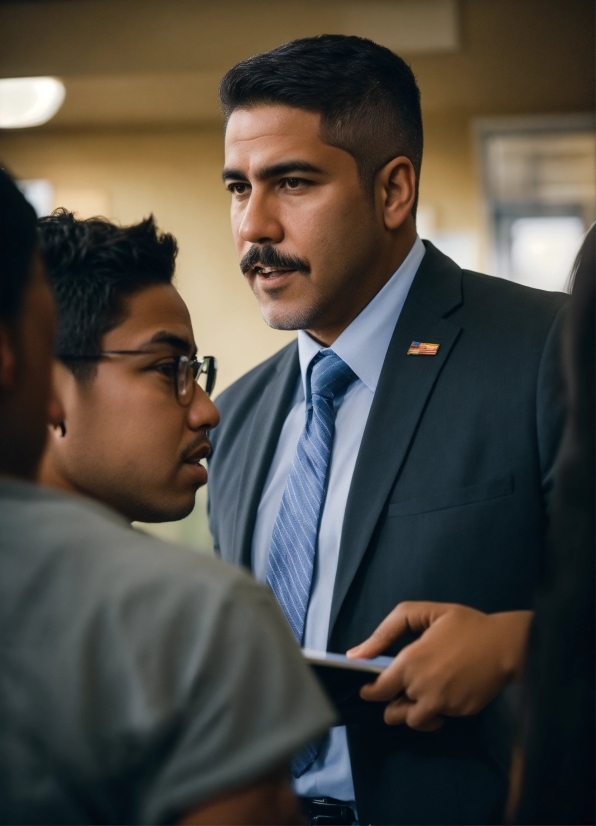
column 135, row 395
column 141, row 682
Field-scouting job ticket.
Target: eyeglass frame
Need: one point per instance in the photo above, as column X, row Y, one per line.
column 206, row 365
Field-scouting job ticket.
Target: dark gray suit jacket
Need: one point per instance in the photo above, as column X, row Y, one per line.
column 448, row 502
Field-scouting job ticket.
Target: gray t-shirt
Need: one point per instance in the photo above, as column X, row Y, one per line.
column 138, row 679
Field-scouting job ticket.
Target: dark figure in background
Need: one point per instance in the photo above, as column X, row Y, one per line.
column 558, row 747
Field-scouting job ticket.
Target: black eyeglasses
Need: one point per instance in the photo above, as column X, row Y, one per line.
column 185, row 372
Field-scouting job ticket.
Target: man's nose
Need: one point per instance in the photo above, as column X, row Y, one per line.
column 202, row 413
column 260, row 223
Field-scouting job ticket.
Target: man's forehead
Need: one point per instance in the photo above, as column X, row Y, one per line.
column 267, row 130
column 155, row 316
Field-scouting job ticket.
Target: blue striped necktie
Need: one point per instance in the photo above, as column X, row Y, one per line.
column 294, row 540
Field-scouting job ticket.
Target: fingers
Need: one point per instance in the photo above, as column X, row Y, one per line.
column 408, row 701
column 414, row 714
column 387, row 685
column 396, row 713
column 392, row 628
column 407, row 616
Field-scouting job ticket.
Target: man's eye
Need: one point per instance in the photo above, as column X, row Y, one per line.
column 168, row 369
column 292, row 183
column 238, row 189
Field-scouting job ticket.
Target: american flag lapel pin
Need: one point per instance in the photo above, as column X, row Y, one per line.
column 423, row 348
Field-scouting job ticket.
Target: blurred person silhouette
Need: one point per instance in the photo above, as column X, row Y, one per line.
column 141, row 682
column 558, row 767
column 135, row 422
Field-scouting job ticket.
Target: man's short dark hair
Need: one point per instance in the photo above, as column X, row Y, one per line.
column 18, row 239
column 367, row 96
column 93, row 267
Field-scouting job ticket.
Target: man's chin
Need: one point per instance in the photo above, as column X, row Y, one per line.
column 152, row 513
column 288, row 318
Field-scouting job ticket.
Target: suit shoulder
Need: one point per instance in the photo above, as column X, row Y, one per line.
column 488, row 286
column 249, row 386
column 513, row 305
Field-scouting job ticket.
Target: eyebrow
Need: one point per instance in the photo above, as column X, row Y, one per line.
column 175, row 341
column 273, row 171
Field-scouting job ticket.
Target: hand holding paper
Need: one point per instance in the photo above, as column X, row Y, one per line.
column 461, row 661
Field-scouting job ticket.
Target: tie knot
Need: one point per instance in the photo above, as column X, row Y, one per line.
column 330, row 375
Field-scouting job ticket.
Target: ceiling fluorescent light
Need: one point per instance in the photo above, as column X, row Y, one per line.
column 29, row 101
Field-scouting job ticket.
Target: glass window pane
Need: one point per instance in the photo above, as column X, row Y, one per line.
column 543, row 250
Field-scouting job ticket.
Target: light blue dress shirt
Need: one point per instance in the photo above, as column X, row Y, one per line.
column 363, row 346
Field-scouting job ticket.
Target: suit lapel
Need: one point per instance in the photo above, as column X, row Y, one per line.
column 404, row 387
column 262, row 441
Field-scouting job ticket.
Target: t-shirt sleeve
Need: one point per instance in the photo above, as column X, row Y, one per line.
column 245, row 702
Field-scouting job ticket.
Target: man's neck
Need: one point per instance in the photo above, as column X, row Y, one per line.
column 51, row 476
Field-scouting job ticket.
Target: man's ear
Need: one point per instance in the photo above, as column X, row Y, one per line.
column 62, row 380
column 396, row 186
column 8, row 362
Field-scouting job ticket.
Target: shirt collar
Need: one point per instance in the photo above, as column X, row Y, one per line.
column 363, row 344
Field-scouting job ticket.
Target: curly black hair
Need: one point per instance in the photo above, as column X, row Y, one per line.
column 93, row 265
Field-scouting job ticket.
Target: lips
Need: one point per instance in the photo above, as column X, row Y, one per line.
column 197, row 454
column 271, row 272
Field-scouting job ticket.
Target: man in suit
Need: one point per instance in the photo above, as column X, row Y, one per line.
column 401, row 449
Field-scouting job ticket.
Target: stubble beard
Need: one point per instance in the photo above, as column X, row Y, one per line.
column 303, row 318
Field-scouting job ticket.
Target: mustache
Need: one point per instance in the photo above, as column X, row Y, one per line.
column 197, row 443
column 267, row 256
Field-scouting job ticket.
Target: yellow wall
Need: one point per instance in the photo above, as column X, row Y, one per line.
column 175, row 175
